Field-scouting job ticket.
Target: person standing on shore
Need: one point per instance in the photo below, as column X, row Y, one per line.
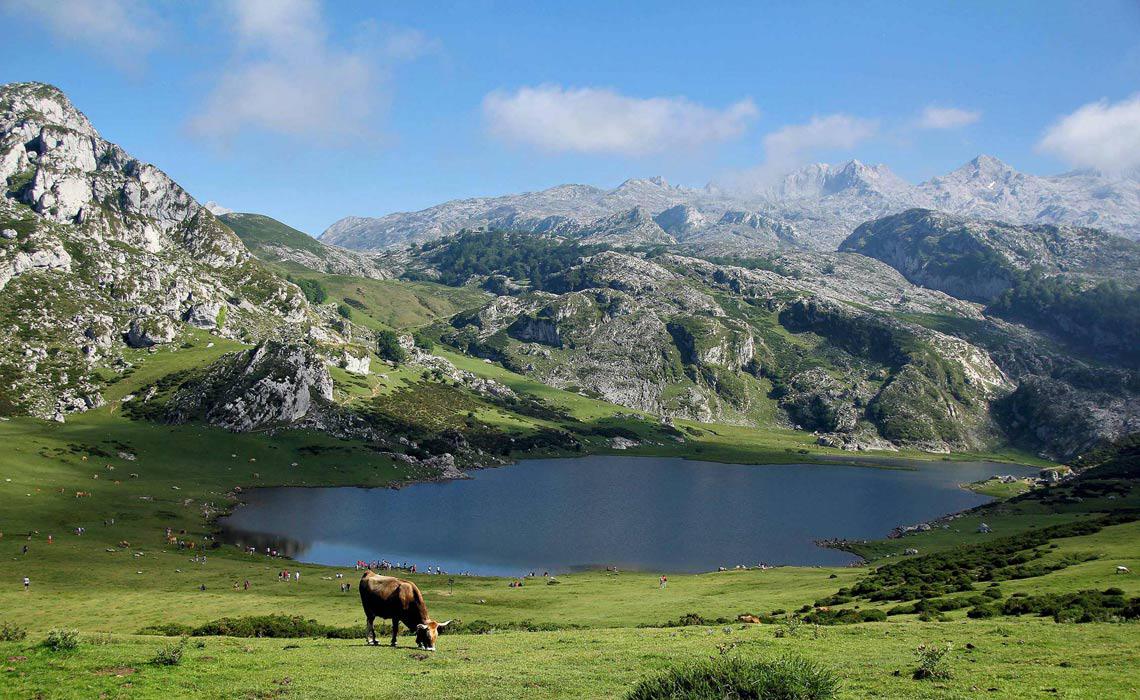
column 663, row 582
column 27, row 584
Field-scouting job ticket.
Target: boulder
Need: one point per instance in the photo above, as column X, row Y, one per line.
column 147, row 332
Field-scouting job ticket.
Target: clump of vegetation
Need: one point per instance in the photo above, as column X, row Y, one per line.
column 537, row 260
column 313, row 290
column 12, row 633
column 957, row 570
column 423, row 341
column 170, row 654
column 844, row 616
column 932, row 664
column 62, row 640
column 272, row 626
column 1104, row 320
column 734, row 678
column 1108, row 605
column 388, row 346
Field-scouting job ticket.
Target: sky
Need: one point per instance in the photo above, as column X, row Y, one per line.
column 309, row 111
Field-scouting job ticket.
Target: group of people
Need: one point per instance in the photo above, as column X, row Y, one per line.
column 411, row 568
column 285, row 575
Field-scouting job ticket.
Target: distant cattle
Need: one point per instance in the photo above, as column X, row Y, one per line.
column 1123, row 570
column 397, row 600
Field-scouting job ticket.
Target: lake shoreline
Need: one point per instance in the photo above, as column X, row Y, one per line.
column 929, row 485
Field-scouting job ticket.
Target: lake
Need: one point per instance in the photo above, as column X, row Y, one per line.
column 642, row 513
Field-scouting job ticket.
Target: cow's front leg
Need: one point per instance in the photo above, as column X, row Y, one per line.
column 395, row 629
column 369, row 631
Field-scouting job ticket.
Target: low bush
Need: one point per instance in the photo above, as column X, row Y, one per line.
column 736, row 679
column 272, row 626
column 1081, row 606
column 170, row 654
column 62, row 640
column 932, row 662
column 12, row 633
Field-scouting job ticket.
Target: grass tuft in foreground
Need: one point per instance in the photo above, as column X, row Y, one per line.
column 733, row 678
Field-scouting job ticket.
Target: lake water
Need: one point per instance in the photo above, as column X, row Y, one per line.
column 643, row 513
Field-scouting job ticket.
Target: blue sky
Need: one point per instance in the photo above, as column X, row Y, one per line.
column 309, row 112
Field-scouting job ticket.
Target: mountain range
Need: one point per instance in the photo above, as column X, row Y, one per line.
column 924, row 329
column 814, row 208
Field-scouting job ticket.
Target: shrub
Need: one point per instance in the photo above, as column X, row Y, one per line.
column 932, row 662
column 388, row 346
column 275, row 626
column 734, row 678
column 62, row 640
column 423, row 341
column 170, row 654
column 12, row 633
column 981, row 612
column 313, row 290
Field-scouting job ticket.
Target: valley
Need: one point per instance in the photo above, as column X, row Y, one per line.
column 835, row 358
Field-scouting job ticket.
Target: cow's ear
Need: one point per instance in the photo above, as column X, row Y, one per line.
column 444, row 624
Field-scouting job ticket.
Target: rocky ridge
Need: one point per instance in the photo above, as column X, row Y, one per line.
column 815, row 207
column 100, row 252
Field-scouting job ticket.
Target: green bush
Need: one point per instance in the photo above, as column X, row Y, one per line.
column 170, row 654
column 388, row 346
column 274, row 626
column 981, row 612
column 737, row 679
column 62, row 640
column 932, row 662
column 12, row 633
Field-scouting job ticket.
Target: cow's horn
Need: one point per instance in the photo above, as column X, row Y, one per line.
column 444, row 624
column 421, row 626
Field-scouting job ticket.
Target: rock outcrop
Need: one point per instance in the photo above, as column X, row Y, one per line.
column 270, row 386
column 101, row 251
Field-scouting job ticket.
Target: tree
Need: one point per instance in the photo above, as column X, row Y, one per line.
column 388, row 346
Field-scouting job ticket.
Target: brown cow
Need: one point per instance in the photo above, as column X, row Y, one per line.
column 399, row 601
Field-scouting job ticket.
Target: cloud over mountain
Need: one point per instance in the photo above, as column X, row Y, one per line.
column 289, row 77
column 598, row 120
column 947, row 118
column 1101, row 135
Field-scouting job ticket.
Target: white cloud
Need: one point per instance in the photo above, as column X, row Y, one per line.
column 947, row 118
column 288, row 78
column 1100, row 135
column 123, row 31
column 407, row 44
column 597, row 120
column 834, row 131
column 796, row 145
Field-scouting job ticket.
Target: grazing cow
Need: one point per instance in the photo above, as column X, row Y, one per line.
column 397, row 600
column 1123, row 570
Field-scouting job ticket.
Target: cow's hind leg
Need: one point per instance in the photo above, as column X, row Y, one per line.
column 395, row 629
column 370, row 631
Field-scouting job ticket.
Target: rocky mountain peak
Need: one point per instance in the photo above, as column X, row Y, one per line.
column 43, row 105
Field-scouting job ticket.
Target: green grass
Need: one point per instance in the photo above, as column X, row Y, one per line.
column 257, row 231
column 613, row 634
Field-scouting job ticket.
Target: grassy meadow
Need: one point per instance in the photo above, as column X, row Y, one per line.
column 594, row 634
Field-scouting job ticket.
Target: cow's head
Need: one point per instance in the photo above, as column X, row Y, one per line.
column 427, row 632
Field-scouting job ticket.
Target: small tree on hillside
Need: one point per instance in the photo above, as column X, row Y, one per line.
column 388, row 346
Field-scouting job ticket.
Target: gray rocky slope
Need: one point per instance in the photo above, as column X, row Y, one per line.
column 815, row 207
column 841, row 344
column 100, row 251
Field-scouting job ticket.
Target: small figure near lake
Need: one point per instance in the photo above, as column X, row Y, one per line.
column 663, row 582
